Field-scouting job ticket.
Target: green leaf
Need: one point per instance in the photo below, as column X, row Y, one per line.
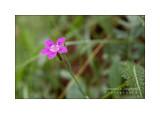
column 121, row 34
column 133, row 26
column 106, row 22
column 65, row 74
column 74, row 93
column 94, row 92
column 134, row 74
column 114, row 74
column 124, row 23
column 25, row 63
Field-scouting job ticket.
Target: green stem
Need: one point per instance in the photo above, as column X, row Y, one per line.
column 68, row 59
column 135, row 75
column 142, row 20
column 93, row 42
column 72, row 74
column 121, row 86
column 75, row 80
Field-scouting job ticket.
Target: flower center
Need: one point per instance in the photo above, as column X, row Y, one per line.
column 54, row 48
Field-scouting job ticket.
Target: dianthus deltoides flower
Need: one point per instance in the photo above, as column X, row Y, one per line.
column 52, row 49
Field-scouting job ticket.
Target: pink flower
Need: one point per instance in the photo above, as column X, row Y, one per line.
column 52, row 48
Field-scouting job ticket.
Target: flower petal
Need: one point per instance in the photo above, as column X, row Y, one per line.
column 63, row 49
column 45, row 51
column 60, row 41
column 48, row 43
column 52, row 55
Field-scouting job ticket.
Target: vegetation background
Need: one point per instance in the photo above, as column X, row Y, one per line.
column 116, row 43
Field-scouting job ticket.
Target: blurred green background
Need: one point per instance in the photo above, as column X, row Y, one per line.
column 38, row 77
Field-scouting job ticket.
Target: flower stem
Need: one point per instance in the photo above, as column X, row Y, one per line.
column 68, row 62
column 72, row 74
column 110, row 93
column 75, row 80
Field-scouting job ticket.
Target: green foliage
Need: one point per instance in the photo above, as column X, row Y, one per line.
column 115, row 79
column 142, row 18
column 74, row 93
column 106, row 22
column 133, row 26
column 134, row 74
column 65, row 74
column 38, row 77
